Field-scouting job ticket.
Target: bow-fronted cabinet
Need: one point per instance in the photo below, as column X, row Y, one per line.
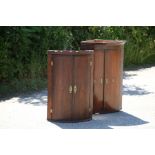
column 108, row 71
column 70, row 85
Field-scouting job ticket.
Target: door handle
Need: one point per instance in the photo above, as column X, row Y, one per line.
column 75, row 89
column 70, row 89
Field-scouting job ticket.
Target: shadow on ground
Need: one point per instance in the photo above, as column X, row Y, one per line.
column 134, row 90
column 138, row 67
column 105, row 121
column 37, row 99
column 128, row 76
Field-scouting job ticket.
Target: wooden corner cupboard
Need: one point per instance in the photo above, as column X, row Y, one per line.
column 108, row 70
column 70, row 85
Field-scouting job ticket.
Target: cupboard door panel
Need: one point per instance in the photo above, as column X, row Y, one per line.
column 61, row 82
column 98, row 81
column 82, row 105
column 113, row 80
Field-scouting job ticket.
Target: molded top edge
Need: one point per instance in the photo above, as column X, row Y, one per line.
column 101, row 41
column 71, row 52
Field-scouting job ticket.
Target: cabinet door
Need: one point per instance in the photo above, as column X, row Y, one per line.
column 113, row 80
column 83, row 85
column 61, row 87
column 98, row 81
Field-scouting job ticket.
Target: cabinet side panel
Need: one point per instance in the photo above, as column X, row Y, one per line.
column 61, row 88
column 113, row 80
column 49, row 73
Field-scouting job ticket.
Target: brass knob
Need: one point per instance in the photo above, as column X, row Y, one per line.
column 75, row 89
column 70, row 89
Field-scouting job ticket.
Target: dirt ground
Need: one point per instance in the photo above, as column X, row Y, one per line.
column 138, row 108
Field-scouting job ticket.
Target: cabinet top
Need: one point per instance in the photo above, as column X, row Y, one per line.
column 105, row 42
column 71, row 52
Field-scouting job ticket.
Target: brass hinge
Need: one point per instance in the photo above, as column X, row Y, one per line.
column 51, row 111
column 51, row 63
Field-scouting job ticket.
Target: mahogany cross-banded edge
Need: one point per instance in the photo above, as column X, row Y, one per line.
column 70, row 52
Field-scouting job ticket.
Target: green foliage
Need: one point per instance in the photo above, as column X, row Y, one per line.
column 23, row 50
column 140, row 45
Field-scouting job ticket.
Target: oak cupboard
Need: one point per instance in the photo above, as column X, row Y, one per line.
column 108, row 70
column 70, row 85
